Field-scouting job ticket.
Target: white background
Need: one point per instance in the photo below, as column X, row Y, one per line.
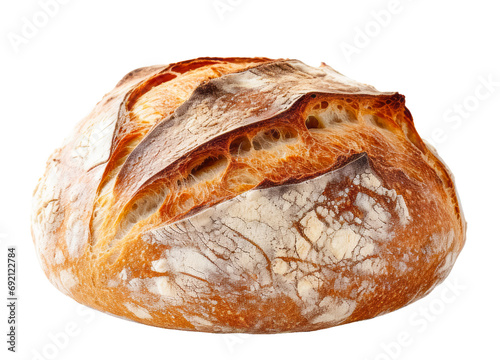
column 437, row 53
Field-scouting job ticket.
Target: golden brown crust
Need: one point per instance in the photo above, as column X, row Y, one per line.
column 215, row 193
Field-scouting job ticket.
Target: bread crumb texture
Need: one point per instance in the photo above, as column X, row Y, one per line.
column 246, row 195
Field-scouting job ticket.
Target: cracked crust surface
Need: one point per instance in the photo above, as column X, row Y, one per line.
column 246, row 195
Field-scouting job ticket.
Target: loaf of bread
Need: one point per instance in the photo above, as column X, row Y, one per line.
column 246, row 195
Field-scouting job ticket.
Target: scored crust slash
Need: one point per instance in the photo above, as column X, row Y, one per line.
column 246, row 195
